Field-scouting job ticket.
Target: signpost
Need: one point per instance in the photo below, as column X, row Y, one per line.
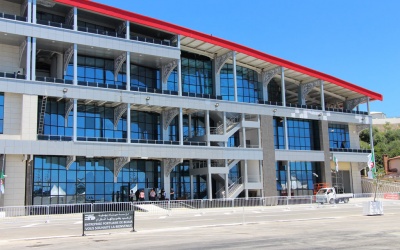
column 108, row 220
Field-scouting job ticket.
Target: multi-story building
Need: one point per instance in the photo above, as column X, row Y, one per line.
column 97, row 101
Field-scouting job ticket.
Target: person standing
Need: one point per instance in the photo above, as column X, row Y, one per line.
column 152, row 195
column 171, row 194
column 162, row 195
column 141, row 195
column 137, row 193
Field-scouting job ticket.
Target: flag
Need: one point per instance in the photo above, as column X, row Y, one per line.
column 1, row 182
column 336, row 163
column 371, row 161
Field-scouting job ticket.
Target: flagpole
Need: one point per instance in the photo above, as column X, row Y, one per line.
column 371, row 138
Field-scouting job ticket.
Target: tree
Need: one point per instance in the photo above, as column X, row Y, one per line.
column 385, row 142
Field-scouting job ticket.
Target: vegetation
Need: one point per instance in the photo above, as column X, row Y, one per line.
column 385, row 142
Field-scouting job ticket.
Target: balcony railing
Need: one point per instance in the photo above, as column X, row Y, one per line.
column 13, row 17
column 12, row 75
column 53, row 80
column 55, row 24
column 101, row 32
column 164, row 42
column 198, row 95
column 350, row 150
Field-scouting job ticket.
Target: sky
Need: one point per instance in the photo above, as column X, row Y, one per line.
column 357, row 41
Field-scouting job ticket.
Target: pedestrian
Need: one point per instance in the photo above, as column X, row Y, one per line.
column 152, row 195
column 131, row 195
column 162, row 195
column 171, row 194
column 141, row 195
column 118, row 199
column 137, row 193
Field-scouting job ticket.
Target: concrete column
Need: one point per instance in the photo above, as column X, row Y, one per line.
column 128, row 30
column 29, row 11
column 75, row 18
column 322, row 95
column 75, row 120
column 246, row 190
column 234, row 76
column 283, row 87
column 179, row 73
column 128, row 71
column 207, row 120
column 226, row 185
column 190, row 126
column 324, row 141
column 191, row 181
column 33, row 73
column 180, row 126
column 269, row 162
column 33, row 11
column 28, row 58
column 75, row 63
column 288, row 180
column 128, row 123
column 209, row 180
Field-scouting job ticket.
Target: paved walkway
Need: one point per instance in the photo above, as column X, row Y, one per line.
column 339, row 226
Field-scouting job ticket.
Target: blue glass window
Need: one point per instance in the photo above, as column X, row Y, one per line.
column 97, row 71
column 339, row 136
column 145, row 77
column 54, row 118
column 302, row 134
column 98, row 122
column 145, row 125
column 196, row 74
column 303, row 175
column 249, row 89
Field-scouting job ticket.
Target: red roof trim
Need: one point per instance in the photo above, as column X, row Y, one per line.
column 148, row 21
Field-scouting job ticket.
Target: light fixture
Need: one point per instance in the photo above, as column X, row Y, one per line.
column 147, row 98
column 216, row 105
column 274, row 110
column 320, row 114
column 65, row 90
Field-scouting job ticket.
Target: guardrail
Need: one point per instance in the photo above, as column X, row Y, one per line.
column 151, row 208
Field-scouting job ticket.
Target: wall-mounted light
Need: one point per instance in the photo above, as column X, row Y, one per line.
column 65, row 90
column 147, row 98
column 217, row 105
column 274, row 110
column 320, row 114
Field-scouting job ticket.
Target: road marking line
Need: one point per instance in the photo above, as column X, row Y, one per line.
column 30, row 225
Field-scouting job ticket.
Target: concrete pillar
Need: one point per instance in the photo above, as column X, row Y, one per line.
column 234, row 76
column 180, row 126
column 28, row 58
column 269, row 162
column 33, row 73
column 209, row 180
column 324, row 141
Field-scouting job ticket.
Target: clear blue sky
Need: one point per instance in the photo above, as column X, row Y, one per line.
column 355, row 40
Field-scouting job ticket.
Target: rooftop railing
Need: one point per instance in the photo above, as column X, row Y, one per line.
column 13, row 17
column 350, row 150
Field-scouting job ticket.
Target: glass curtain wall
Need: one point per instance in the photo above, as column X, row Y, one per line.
column 97, row 72
column 89, row 180
column 339, row 136
column 54, row 118
column 145, row 125
column 302, row 176
column 196, row 74
column 98, row 122
column 249, row 89
column 302, row 134
column 144, row 77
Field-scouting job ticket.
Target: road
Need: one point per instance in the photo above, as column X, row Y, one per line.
column 341, row 226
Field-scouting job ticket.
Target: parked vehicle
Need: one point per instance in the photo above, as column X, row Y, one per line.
column 329, row 195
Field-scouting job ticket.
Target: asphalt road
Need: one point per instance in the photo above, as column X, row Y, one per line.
column 341, row 226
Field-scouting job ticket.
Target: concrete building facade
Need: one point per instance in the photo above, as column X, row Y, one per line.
column 97, row 102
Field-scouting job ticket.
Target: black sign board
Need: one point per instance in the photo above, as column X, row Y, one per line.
column 108, row 220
